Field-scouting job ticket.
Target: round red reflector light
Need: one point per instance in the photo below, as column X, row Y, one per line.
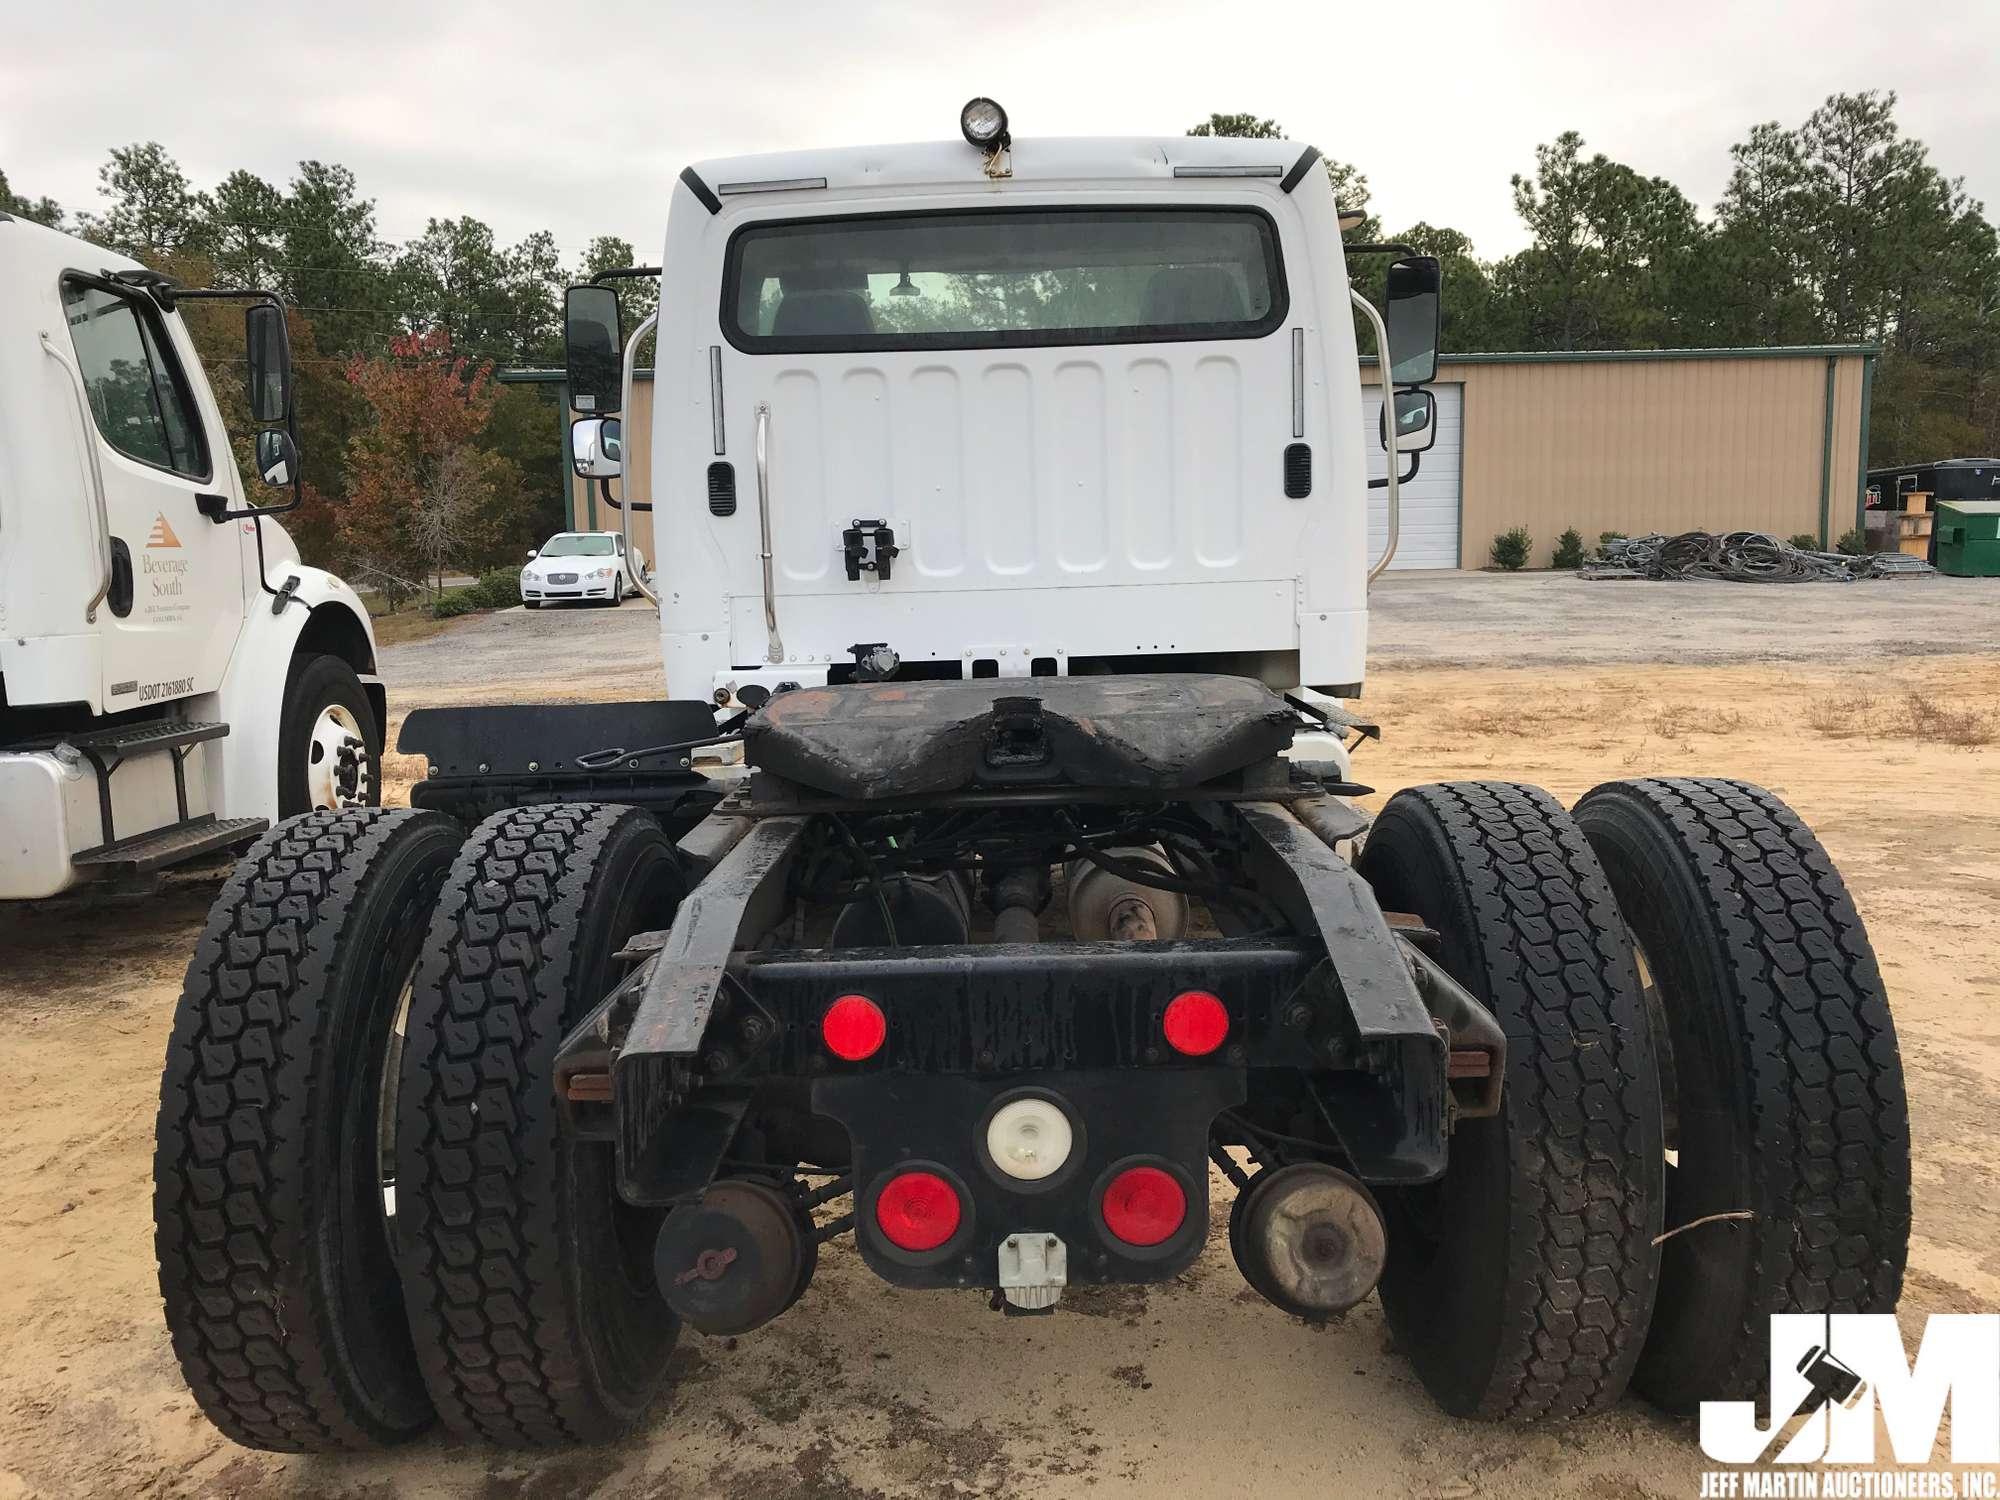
column 917, row 1210
column 1144, row 1205
column 853, row 1027
column 1196, row 1022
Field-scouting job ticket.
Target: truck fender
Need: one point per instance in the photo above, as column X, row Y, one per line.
column 317, row 614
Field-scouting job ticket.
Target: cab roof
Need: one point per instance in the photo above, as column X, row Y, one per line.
column 1036, row 159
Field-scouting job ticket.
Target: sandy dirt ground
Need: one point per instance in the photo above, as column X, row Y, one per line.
column 1196, row 1387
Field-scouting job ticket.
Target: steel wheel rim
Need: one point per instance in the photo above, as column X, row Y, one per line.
column 339, row 770
column 385, row 1109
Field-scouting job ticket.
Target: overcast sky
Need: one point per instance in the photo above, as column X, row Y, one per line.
column 578, row 118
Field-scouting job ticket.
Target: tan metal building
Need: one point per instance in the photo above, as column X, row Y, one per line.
column 1634, row 441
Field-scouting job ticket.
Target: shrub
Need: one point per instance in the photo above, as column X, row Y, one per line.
column 1606, row 538
column 1853, row 541
column 1805, row 541
column 499, row 589
column 1510, row 549
column 1569, row 549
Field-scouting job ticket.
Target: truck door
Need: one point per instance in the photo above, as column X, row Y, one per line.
column 171, row 618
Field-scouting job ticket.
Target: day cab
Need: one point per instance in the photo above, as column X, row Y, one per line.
column 172, row 678
column 1075, row 406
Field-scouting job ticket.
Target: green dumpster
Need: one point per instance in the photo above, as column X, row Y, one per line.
column 1968, row 538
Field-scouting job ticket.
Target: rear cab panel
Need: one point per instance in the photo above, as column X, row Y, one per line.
column 1052, row 498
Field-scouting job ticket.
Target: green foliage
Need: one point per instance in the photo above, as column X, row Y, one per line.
column 498, row 589
column 41, row 210
column 1805, row 541
column 1569, row 550
column 1837, row 230
column 1244, row 127
column 1853, row 542
column 1510, row 549
column 1606, row 538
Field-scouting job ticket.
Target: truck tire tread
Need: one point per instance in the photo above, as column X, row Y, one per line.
column 1760, row 947
column 498, row 1268
column 247, row 1178
column 1579, row 1134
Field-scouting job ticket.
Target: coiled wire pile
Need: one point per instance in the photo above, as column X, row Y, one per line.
column 1741, row 557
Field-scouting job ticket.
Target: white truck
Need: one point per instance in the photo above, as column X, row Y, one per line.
column 1010, row 503
column 173, row 679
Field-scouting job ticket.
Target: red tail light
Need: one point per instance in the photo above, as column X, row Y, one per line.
column 853, row 1027
column 1144, row 1206
column 1195, row 1023
column 917, row 1211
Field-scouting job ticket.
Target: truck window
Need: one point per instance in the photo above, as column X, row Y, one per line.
column 137, row 392
column 1002, row 278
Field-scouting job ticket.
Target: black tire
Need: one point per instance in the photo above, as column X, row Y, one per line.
column 531, row 604
column 1520, row 1284
column 1785, row 1082
column 529, row 1284
column 315, row 683
column 275, row 1268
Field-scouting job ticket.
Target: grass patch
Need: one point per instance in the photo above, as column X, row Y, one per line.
column 1839, row 718
column 1916, row 716
column 1924, row 718
column 407, row 625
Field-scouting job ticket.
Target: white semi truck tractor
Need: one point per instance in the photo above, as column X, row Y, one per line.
column 1012, row 506
column 173, row 680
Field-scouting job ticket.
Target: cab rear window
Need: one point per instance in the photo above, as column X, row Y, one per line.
column 1003, row 278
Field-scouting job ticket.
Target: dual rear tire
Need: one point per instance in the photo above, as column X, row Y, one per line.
column 359, row 1099
column 1696, row 1026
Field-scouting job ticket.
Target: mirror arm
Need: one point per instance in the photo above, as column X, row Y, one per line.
column 1416, row 463
column 1367, row 309
column 626, row 271
column 624, row 406
column 1385, row 248
column 604, row 494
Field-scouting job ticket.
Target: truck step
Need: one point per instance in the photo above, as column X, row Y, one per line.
column 144, row 853
column 157, row 734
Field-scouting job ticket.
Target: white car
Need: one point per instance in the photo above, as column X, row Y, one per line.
column 590, row 565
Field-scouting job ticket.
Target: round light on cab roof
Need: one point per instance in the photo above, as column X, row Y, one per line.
column 984, row 123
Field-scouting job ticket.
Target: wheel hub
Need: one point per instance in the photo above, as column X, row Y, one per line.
column 339, row 770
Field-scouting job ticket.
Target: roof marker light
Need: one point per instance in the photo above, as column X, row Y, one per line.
column 984, row 124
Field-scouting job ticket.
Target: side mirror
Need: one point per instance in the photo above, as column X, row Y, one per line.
column 1411, row 316
column 597, row 447
column 533, row 553
column 269, row 351
column 593, row 349
column 1416, row 421
column 277, row 457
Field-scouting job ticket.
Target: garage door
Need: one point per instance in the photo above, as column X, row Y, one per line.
column 1431, row 500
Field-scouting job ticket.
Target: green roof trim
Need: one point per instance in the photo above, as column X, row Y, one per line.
column 1621, row 356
